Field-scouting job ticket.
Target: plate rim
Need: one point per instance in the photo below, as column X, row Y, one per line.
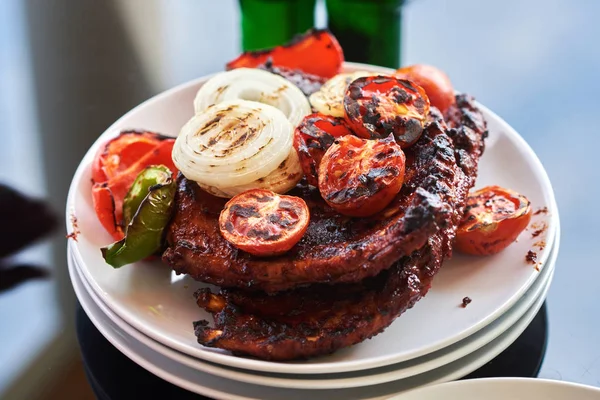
column 511, row 380
column 339, row 366
column 342, row 383
column 499, row 344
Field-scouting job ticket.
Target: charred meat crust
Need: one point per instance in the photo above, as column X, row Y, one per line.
column 307, row 83
column 335, row 248
column 316, row 321
column 320, row 319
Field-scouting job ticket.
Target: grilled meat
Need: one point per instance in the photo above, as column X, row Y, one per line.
column 308, row 322
column 320, row 319
column 308, row 83
column 334, row 249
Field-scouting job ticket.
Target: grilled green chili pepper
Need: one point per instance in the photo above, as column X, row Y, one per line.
column 146, row 210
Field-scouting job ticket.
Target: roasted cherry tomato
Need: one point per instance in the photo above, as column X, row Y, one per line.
column 494, row 217
column 115, row 168
column 377, row 106
column 313, row 137
column 316, row 52
column 264, row 223
column 436, row 83
column 359, row 177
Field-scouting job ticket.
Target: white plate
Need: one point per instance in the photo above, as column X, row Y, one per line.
column 159, row 303
column 503, row 389
column 350, row 379
column 222, row 388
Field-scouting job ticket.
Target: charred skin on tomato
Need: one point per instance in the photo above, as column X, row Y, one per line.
column 313, row 137
column 360, row 177
column 264, row 223
column 494, row 217
column 377, row 106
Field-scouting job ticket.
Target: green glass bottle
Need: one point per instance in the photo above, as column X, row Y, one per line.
column 268, row 23
column 369, row 31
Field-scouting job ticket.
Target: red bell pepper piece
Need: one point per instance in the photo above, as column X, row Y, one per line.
column 115, row 168
column 316, row 52
column 104, row 205
column 121, row 152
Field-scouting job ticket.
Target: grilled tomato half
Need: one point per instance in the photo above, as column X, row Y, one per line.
column 264, row 223
column 436, row 83
column 377, row 106
column 493, row 219
column 313, row 137
column 359, row 177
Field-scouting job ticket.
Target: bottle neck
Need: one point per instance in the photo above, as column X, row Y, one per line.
column 369, row 31
column 268, row 23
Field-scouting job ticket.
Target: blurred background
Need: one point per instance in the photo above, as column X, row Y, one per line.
column 70, row 68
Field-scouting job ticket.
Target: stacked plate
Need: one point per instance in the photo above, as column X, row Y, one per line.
column 502, row 389
column 146, row 310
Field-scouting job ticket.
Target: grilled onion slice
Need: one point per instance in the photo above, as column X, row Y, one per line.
column 329, row 100
column 237, row 145
column 280, row 180
column 255, row 85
